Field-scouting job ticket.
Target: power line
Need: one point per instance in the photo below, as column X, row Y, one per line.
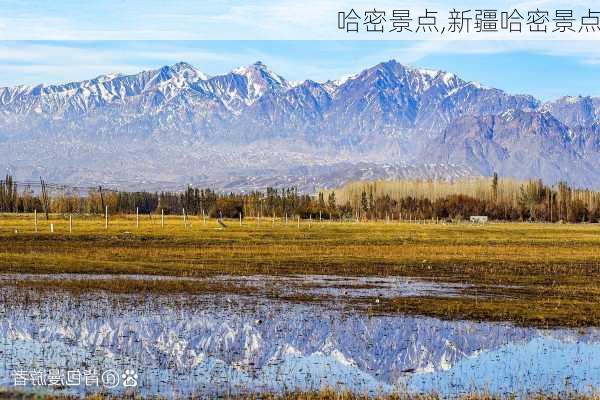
column 60, row 186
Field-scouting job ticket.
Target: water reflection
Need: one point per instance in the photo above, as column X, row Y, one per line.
column 222, row 344
column 317, row 285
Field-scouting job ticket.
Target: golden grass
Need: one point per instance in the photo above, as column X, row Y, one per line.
column 549, row 274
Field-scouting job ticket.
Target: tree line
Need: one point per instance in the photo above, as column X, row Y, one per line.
column 499, row 199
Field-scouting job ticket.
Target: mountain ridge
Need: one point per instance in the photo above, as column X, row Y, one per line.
column 176, row 123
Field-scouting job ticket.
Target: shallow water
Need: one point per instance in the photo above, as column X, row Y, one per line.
column 218, row 344
column 313, row 285
column 344, row 286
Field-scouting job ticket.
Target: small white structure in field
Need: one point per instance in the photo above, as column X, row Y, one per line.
column 479, row 219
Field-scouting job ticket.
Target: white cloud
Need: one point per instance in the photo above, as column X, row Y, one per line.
column 58, row 62
column 233, row 20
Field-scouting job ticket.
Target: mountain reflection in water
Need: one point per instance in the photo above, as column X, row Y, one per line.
column 218, row 344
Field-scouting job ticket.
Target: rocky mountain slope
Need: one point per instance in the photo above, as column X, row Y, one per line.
column 251, row 127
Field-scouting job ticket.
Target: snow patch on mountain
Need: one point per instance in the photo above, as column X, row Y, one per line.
column 252, row 128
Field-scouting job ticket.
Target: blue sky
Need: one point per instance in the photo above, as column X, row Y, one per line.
column 540, row 68
column 58, row 41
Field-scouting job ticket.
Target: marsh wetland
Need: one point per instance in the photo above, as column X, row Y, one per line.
column 376, row 309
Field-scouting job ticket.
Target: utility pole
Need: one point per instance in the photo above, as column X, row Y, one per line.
column 45, row 200
column 101, row 196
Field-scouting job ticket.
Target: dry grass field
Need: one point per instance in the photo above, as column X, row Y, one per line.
column 530, row 274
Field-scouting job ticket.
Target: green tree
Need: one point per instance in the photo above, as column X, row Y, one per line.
column 331, row 201
column 321, row 201
column 364, row 203
column 495, row 188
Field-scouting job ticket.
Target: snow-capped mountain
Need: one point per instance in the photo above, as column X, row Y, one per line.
column 575, row 111
column 252, row 127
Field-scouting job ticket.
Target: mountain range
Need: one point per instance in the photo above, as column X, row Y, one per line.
column 251, row 128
